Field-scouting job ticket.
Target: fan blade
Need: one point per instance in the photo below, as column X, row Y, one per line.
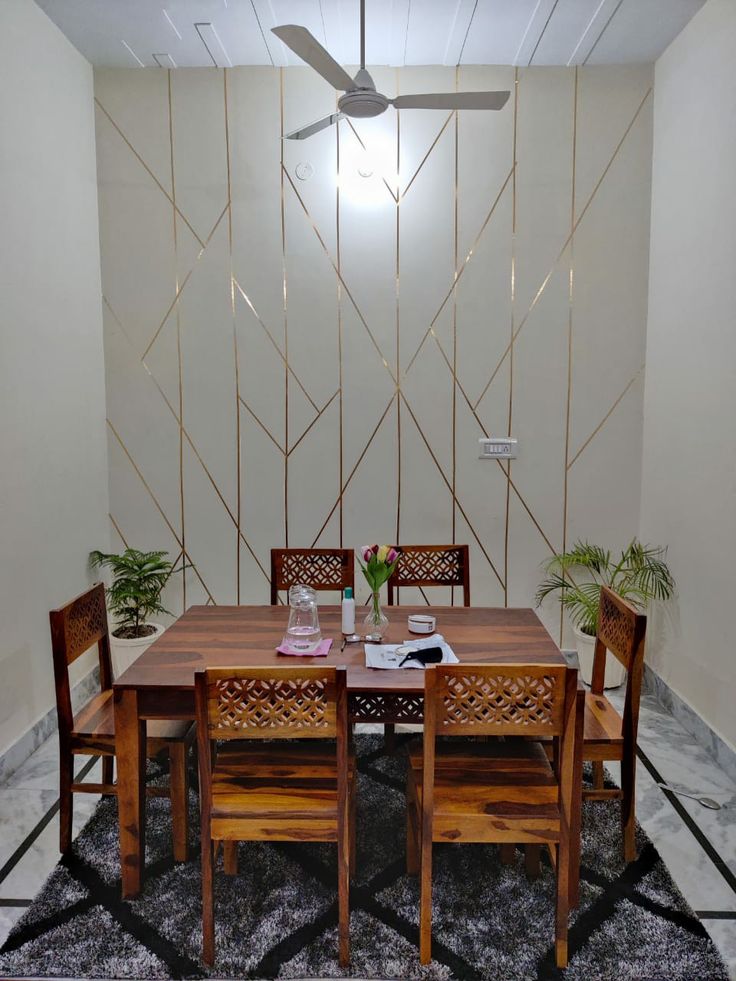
column 453, row 100
column 302, row 134
column 309, row 49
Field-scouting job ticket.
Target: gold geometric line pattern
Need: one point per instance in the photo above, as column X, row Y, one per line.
column 339, row 275
column 184, row 282
column 570, row 295
column 193, row 446
column 265, row 429
column 273, row 341
column 116, row 526
column 352, row 472
column 512, row 292
column 606, row 417
column 567, row 241
column 153, row 497
column 458, row 272
column 449, row 487
column 327, row 404
column 426, row 155
column 182, row 509
column 155, row 179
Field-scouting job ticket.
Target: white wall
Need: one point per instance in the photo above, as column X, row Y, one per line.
column 689, row 471
column 53, row 482
column 328, row 451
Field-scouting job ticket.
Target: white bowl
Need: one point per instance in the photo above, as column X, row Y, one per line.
column 420, row 623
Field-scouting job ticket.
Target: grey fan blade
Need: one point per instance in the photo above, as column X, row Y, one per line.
column 453, row 100
column 305, row 131
column 309, row 49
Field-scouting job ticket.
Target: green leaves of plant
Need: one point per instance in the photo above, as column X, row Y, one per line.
column 138, row 581
column 639, row 574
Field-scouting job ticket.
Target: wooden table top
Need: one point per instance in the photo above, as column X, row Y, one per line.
column 220, row 636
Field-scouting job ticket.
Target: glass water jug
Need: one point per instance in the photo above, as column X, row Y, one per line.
column 303, row 633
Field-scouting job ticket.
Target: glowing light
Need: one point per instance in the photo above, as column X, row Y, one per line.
column 368, row 173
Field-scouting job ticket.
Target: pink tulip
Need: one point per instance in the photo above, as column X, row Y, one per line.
column 392, row 556
column 367, row 553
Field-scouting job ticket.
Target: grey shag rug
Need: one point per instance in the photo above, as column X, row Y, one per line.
column 278, row 917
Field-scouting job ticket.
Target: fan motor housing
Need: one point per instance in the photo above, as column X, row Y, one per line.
column 362, row 103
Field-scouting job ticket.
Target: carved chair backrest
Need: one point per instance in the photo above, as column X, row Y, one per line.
column 320, row 568
column 75, row 628
column 431, row 565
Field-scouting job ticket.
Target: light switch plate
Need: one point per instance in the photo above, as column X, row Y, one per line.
column 497, row 448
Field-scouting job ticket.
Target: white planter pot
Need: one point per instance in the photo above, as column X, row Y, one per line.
column 615, row 671
column 126, row 651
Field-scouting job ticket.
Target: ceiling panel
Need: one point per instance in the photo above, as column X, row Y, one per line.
column 128, row 33
column 497, row 31
column 643, row 28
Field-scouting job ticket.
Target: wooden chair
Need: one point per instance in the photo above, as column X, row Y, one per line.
column 608, row 736
column 320, row 568
column 270, row 790
column 431, row 565
column 428, row 565
column 91, row 732
column 493, row 791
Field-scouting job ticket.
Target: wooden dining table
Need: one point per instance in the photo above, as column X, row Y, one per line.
column 160, row 685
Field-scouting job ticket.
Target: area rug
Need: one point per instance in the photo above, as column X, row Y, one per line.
column 278, row 916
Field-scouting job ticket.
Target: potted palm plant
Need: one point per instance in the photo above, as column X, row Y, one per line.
column 133, row 597
column 638, row 574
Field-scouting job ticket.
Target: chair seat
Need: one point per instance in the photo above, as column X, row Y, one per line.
column 95, row 723
column 276, row 783
column 491, row 791
column 603, row 725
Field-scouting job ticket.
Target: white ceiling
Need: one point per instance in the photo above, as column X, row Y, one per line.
column 126, row 33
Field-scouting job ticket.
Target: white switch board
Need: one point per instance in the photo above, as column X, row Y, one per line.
column 497, row 448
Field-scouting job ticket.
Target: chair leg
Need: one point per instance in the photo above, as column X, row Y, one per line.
column 562, row 906
column 66, row 808
column 628, row 808
column 598, row 774
column 208, row 903
column 389, row 737
column 425, row 901
column 179, row 791
column 412, row 845
column 507, row 850
column 532, row 855
column 343, row 893
column 230, row 857
column 107, row 770
column 353, row 831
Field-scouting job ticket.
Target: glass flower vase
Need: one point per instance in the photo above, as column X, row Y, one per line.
column 376, row 621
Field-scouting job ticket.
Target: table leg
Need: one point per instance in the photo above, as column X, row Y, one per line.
column 577, row 801
column 130, row 751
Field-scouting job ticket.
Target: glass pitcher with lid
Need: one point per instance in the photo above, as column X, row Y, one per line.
column 303, row 633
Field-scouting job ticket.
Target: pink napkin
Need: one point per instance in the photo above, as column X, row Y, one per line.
column 321, row 650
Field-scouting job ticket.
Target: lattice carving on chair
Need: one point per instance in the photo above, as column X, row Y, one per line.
column 258, row 703
column 442, row 568
column 389, row 707
column 85, row 622
column 616, row 628
column 502, row 700
column 326, row 571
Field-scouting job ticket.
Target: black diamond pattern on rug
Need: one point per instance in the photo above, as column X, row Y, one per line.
column 278, row 916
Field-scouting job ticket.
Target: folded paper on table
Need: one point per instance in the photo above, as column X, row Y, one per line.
column 384, row 655
column 320, row 651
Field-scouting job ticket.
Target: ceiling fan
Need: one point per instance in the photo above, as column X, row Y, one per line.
column 360, row 99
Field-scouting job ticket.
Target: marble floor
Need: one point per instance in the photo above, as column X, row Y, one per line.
column 698, row 845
